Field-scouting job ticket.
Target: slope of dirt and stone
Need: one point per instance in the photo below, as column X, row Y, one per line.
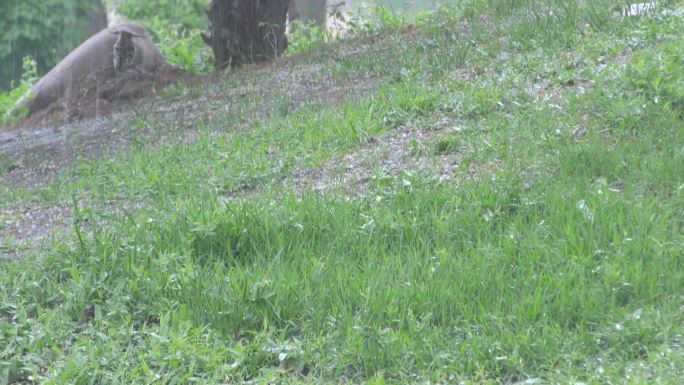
column 40, row 147
column 37, row 149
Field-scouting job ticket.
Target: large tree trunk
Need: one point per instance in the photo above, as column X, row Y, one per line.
column 246, row 30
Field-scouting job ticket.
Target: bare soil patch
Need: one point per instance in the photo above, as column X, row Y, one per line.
column 24, row 228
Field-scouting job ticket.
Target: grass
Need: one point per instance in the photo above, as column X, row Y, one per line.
column 550, row 250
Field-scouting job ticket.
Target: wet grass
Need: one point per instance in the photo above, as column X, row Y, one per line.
column 550, row 252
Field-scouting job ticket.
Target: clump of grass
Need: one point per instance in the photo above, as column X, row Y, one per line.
column 658, row 75
column 446, row 145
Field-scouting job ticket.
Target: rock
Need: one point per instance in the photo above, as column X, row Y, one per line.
column 92, row 58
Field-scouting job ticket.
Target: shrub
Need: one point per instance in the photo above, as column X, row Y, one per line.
column 8, row 100
column 658, row 75
column 185, row 49
column 176, row 26
column 306, row 36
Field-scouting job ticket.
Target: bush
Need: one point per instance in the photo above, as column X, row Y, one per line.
column 176, row 26
column 659, row 75
column 369, row 20
column 186, row 50
column 8, row 100
column 306, row 36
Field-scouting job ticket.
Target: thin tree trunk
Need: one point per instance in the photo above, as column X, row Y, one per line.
column 246, row 30
column 96, row 16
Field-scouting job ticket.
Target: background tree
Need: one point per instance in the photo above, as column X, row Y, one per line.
column 96, row 17
column 47, row 30
column 156, row 14
column 308, row 10
column 246, row 30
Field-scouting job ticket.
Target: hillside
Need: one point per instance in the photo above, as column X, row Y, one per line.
column 494, row 195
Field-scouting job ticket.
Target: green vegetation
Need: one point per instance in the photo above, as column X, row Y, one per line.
column 46, row 30
column 502, row 200
column 176, row 26
column 9, row 111
column 188, row 15
column 306, row 36
column 659, row 75
column 185, row 49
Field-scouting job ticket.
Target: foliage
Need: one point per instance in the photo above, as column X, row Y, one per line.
column 46, row 30
column 9, row 99
column 188, row 14
column 385, row 18
column 658, row 74
column 366, row 20
column 176, row 26
column 306, row 36
column 185, row 49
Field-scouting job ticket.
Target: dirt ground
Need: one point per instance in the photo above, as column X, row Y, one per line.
column 94, row 126
column 100, row 94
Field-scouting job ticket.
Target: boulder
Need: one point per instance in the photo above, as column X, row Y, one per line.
column 93, row 59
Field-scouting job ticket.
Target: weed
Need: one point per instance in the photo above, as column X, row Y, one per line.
column 446, row 145
column 185, row 49
column 659, row 75
column 14, row 103
column 307, row 37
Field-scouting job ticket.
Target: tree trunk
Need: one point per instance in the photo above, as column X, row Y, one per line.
column 96, row 15
column 246, row 30
column 308, row 10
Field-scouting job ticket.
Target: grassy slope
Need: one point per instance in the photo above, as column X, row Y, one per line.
column 530, row 226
